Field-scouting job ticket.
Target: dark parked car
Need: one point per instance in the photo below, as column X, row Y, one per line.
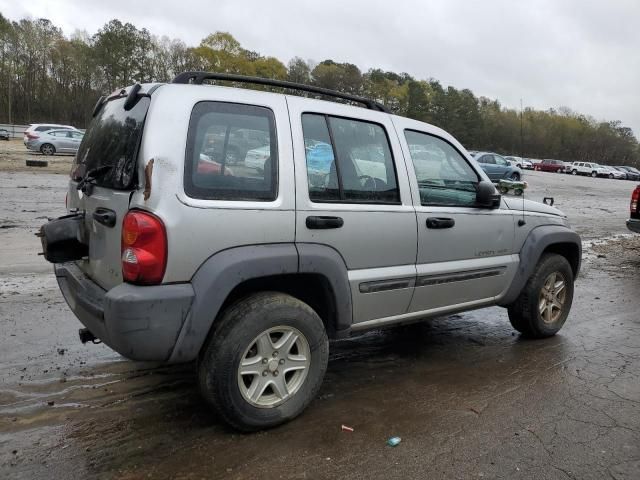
column 548, row 165
column 4, row 134
column 497, row 167
column 632, row 173
column 634, row 214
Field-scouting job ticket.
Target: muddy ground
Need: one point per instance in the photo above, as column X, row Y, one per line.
column 467, row 395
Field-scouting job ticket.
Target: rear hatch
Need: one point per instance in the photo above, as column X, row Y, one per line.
column 103, row 177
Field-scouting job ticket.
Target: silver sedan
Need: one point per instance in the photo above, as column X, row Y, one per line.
column 55, row 141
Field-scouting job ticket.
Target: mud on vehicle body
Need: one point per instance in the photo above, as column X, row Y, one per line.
column 250, row 270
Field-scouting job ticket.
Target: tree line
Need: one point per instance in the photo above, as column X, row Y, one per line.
column 49, row 77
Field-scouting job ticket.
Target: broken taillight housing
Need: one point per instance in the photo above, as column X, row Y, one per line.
column 144, row 248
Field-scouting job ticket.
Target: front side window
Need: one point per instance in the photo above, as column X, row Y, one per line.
column 488, row 159
column 348, row 161
column 444, row 176
column 231, row 153
column 500, row 161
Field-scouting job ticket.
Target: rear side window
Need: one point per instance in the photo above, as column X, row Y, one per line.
column 231, row 153
column 348, row 161
column 109, row 148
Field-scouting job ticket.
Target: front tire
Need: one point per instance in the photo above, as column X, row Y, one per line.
column 264, row 361
column 544, row 303
column 574, row 172
column 594, row 174
column 47, row 149
column 515, row 177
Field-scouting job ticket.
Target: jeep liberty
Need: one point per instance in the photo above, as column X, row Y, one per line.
column 338, row 219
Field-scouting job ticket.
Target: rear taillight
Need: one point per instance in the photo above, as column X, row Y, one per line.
column 32, row 136
column 635, row 198
column 144, row 248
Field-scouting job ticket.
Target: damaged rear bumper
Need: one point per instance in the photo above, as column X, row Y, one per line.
column 139, row 322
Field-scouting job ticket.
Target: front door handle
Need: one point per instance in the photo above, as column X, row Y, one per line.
column 318, row 223
column 438, row 222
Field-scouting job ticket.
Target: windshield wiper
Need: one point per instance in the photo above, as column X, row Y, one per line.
column 87, row 182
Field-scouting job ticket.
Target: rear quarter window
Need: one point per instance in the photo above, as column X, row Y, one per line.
column 231, row 153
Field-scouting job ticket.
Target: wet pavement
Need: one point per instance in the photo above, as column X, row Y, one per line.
column 467, row 395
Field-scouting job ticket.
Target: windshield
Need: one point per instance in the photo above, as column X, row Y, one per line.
column 109, row 148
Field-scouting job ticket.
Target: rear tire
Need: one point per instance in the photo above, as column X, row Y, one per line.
column 246, row 336
column 515, row 177
column 47, row 149
column 543, row 305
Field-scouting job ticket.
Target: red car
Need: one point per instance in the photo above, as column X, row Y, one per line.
column 206, row 165
column 550, row 166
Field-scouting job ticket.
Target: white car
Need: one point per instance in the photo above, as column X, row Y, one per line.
column 588, row 168
column 520, row 162
column 255, row 158
column 33, row 131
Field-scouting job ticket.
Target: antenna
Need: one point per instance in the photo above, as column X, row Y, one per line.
column 522, row 222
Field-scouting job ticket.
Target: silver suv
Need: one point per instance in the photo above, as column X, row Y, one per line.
column 345, row 219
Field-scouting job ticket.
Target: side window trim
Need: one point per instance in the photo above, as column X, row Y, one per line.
column 342, row 199
column 335, row 157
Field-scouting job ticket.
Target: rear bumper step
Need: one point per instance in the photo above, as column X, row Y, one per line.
column 139, row 322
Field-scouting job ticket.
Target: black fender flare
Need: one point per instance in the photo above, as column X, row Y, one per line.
column 222, row 272
column 540, row 239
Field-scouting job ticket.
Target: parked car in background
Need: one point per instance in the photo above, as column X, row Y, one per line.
column 549, row 165
column 588, row 168
column 615, row 173
column 633, row 223
column 497, row 167
column 257, row 157
column 632, row 173
column 56, row 141
column 626, row 174
column 35, row 129
column 520, row 162
column 4, row 134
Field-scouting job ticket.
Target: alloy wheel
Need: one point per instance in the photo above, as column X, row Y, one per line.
column 552, row 297
column 274, row 366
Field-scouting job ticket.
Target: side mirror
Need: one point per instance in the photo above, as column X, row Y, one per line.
column 486, row 195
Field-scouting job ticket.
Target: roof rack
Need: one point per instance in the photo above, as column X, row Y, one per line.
column 198, row 78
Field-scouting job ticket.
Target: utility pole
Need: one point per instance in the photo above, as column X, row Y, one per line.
column 521, row 131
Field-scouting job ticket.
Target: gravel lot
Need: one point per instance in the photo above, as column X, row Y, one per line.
column 468, row 396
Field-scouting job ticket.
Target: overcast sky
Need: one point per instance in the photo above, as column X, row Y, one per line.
column 583, row 54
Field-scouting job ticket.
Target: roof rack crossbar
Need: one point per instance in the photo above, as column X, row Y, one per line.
column 199, row 77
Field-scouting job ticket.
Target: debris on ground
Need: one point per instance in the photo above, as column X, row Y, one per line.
column 347, row 429
column 394, row 441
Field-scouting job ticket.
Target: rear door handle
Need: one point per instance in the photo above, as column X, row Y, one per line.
column 439, row 222
column 319, row 223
